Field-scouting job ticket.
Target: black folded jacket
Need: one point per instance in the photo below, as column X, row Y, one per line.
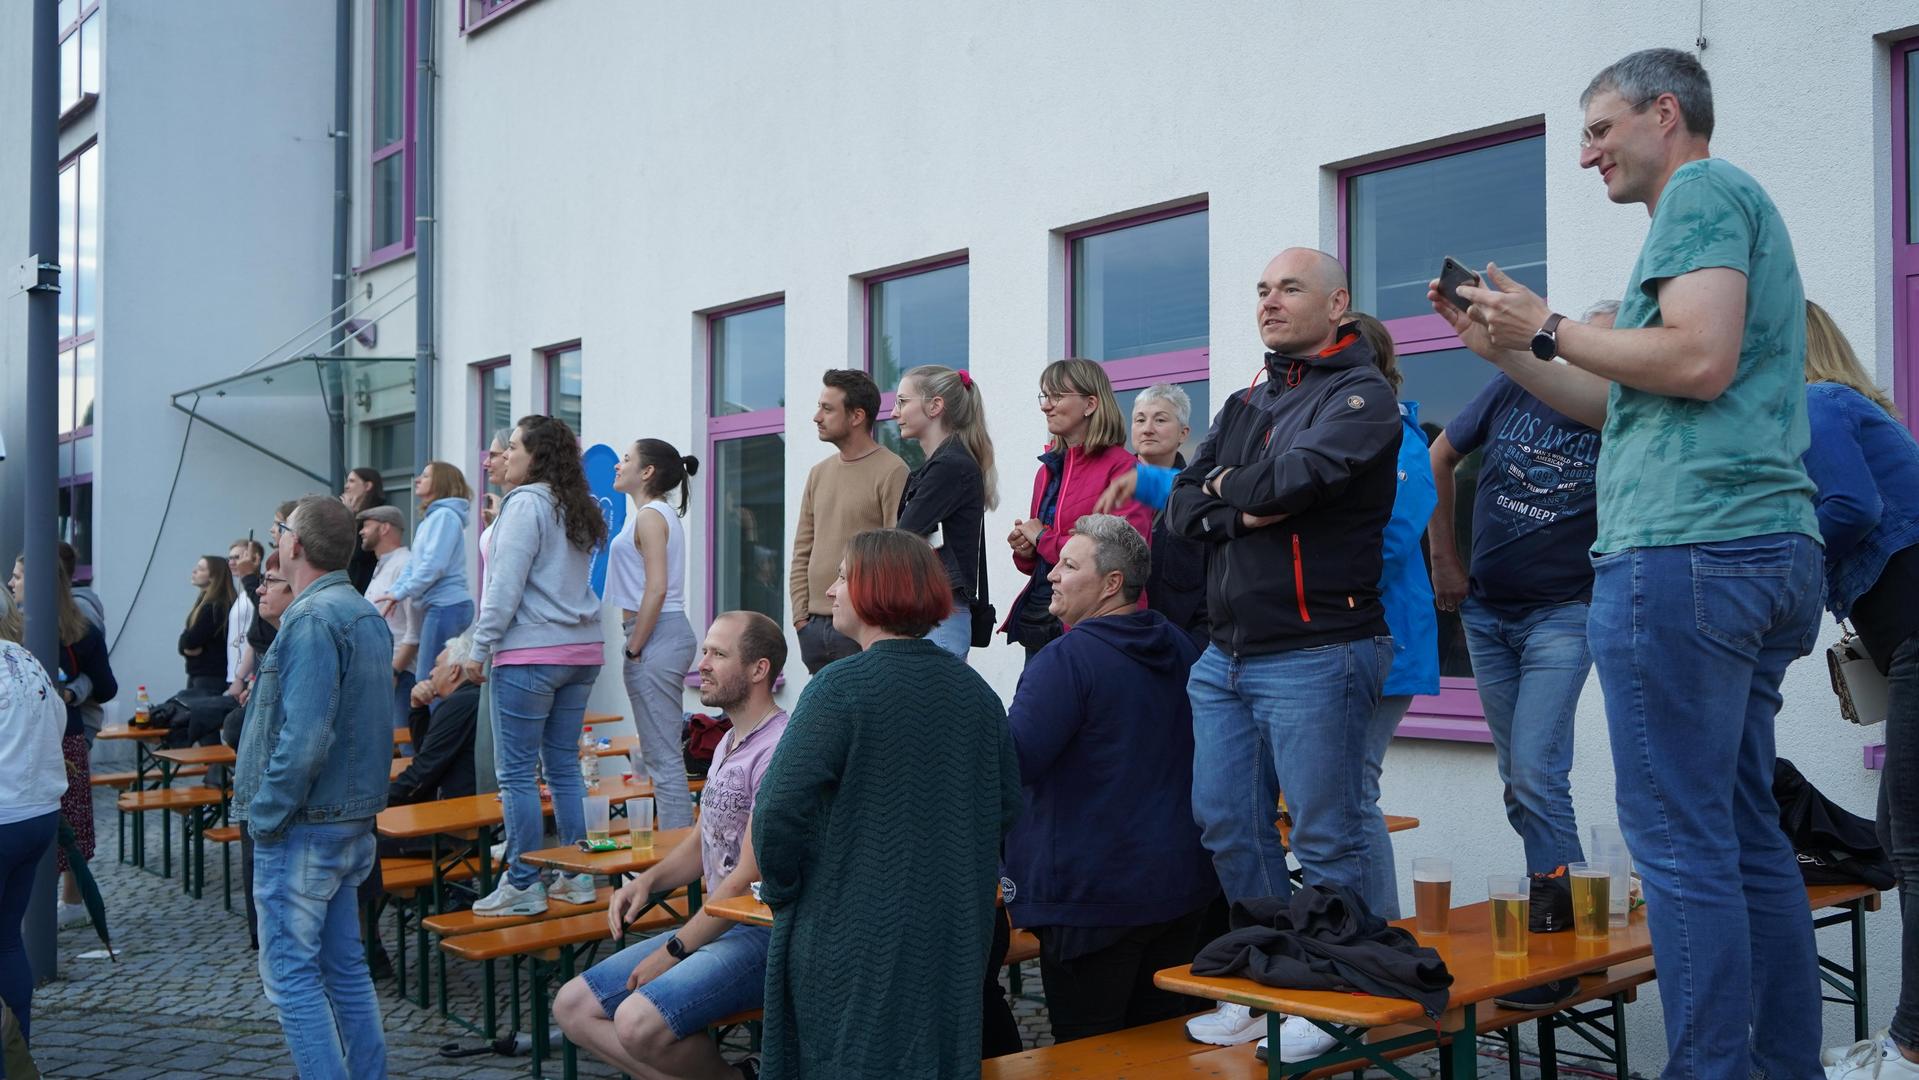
column 1325, row 938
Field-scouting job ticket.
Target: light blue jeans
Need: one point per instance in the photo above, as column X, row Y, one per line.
column 1691, row 643
column 441, row 624
column 1382, row 882
column 311, row 961
column 539, row 709
column 1530, row 670
column 955, row 632
column 1298, row 721
column 656, row 688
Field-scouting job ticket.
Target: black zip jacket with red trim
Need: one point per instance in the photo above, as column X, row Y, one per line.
column 1319, row 443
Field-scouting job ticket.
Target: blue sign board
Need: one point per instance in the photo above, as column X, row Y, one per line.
column 599, row 461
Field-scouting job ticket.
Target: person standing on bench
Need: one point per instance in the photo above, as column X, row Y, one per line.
column 1104, row 732
column 1706, row 565
column 645, row 1009
column 310, row 776
column 855, row 489
column 1292, row 490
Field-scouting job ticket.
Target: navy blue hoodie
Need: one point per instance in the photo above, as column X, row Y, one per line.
column 1104, row 731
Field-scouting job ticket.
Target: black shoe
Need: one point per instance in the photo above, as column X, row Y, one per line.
column 749, row 1068
column 1551, row 908
column 379, row 965
column 1544, row 996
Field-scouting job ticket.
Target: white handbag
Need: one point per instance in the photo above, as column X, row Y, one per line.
column 1856, row 680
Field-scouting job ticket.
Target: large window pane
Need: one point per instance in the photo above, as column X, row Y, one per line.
column 70, row 71
column 390, row 453
column 66, row 414
column 87, row 284
column 888, row 434
column 90, row 54
column 389, row 179
column 1479, row 206
column 920, row 319
column 749, row 361
column 389, row 72
column 563, row 387
column 1141, row 291
column 69, row 245
column 1442, row 383
column 1198, row 392
column 85, row 371
column 750, row 525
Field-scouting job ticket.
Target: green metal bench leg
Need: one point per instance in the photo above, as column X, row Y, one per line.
column 166, row 844
column 1463, row 1053
column 419, row 941
column 1859, row 1006
column 1511, row 1035
column 1548, row 1049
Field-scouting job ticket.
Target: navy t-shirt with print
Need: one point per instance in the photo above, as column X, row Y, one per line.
column 1533, row 515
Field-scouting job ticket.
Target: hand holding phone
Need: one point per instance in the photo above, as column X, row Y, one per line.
column 1453, row 274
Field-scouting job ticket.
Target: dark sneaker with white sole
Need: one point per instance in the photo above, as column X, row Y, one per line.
column 1543, row 996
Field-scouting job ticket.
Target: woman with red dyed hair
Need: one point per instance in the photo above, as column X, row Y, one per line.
column 878, row 830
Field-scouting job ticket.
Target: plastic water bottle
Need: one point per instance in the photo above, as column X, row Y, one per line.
column 589, row 759
column 142, row 708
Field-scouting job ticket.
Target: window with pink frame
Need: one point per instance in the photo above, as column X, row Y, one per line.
column 746, row 458
column 1905, row 228
column 1479, row 201
column 562, row 383
column 479, row 14
column 917, row 315
column 390, row 182
column 1137, row 301
column 79, row 363
column 494, row 398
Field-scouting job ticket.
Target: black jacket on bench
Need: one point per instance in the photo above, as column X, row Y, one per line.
column 1325, row 938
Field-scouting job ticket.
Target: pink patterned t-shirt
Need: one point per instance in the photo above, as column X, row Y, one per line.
column 726, row 803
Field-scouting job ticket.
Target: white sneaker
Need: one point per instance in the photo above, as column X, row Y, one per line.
column 1876, row 1057
column 73, row 915
column 1227, row 1025
column 573, row 889
column 499, row 852
column 507, row 900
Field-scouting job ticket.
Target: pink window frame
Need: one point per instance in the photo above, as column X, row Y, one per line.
column 1905, row 255
column 474, row 26
column 1134, row 372
column 721, row 429
column 1455, row 713
column 549, row 356
column 403, row 146
column 72, row 161
column 867, row 284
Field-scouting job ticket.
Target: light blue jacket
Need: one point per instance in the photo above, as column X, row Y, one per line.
column 1403, row 585
column 318, row 741
column 435, row 573
column 1866, row 467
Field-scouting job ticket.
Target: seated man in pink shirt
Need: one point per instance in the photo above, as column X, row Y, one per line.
column 645, row 1009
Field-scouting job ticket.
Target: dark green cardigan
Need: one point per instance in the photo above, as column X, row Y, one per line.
column 877, row 829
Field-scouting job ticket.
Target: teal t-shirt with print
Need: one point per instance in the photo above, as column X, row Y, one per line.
column 1681, row 471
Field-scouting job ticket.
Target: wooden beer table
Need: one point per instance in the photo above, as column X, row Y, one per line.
column 619, row 862
column 741, row 909
column 1478, row 978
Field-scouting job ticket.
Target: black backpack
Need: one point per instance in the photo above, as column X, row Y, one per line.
column 1835, row 847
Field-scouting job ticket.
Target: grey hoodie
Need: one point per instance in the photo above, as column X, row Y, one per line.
column 539, row 588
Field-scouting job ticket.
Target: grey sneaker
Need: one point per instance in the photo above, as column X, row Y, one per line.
column 507, row 900
column 573, row 889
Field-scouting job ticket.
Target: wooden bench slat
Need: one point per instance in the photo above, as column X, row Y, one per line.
column 1106, row 1055
column 223, row 834
column 542, row 936
column 170, row 799
column 456, row 923
column 405, row 875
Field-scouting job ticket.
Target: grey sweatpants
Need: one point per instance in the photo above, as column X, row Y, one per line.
column 656, row 685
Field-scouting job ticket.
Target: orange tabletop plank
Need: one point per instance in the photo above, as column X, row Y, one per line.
column 742, row 909
column 619, row 746
column 1478, row 975
column 123, row 731
column 401, row 735
column 598, row 718
column 621, row 860
column 473, row 811
column 198, row 755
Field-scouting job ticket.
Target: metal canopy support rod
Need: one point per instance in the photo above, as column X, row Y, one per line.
column 423, row 235
column 342, row 197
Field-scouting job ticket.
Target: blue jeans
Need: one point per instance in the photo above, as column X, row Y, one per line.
column 725, row 976
column 1691, row 642
column 1382, row 883
column 1296, row 721
column 441, row 624
column 955, row 632
column 1530, row 670
column 539, row 709
column 22, row 845
column 311, row 961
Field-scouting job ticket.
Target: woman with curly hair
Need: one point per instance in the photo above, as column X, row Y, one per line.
column 539, row 627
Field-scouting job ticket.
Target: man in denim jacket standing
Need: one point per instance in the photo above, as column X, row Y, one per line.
column 312, row 773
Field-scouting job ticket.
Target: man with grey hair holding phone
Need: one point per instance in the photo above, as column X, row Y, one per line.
column 1706, row 559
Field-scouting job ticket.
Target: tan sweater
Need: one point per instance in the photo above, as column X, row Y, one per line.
column 842, row 498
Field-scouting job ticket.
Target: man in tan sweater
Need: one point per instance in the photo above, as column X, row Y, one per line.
column 856, row 489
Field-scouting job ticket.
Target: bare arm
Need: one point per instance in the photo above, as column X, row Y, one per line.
column 680, row 867
column 1449, row 576
column 1578, row 393
column 650, row 536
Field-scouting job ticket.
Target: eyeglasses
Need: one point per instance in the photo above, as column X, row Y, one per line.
column 280, row 527
column 1602, row 127
column 271, row 581
column 1054, row 399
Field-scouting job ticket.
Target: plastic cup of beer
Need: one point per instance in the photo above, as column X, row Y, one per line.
column 1432, row 895
column 1592, row 890
column 639, row 822
column 1509, row 895
column 598, row 817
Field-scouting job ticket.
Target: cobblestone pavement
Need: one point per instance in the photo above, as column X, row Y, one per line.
column 184, row 999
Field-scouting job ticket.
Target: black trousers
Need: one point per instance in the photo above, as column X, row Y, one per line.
column 1112, row 989
column 999, row 1032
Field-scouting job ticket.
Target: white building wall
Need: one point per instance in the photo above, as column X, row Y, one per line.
column 608, row 170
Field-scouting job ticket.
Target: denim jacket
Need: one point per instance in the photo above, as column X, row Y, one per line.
column 1866, row 467
column 318, row 740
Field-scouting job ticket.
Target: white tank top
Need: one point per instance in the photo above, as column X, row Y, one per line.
column 626, row 571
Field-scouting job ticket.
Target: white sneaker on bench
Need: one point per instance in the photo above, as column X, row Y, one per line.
column 573, row 889
column 1876, row 1057
column 1227, row 1025
column 1299, row 1039
column 507, row 900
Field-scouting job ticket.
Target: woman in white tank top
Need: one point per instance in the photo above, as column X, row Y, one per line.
column 646, row 580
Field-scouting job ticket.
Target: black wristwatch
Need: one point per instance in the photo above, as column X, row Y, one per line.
column 628, row 653
column 1546, row 341
column 676, row 948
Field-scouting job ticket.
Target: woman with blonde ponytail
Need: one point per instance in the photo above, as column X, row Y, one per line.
column 947, row 499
